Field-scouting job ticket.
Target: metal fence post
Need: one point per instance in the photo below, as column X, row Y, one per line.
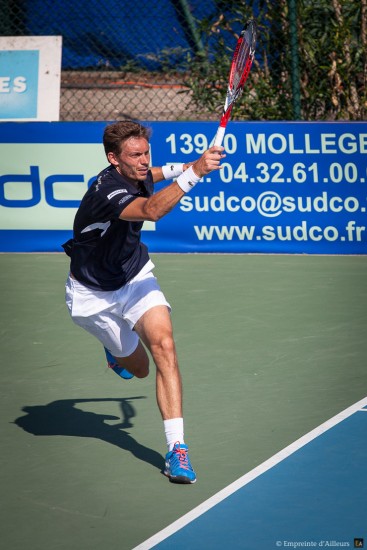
column 296, row 90
column 191, row 25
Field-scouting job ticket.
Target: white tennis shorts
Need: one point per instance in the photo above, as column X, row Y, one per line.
column 111, row 316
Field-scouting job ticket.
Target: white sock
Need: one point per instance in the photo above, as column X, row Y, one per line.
column 174, row 430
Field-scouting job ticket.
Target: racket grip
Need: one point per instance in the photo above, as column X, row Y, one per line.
column 219, row 136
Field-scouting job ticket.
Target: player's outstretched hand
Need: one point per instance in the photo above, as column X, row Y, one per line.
column 209, row 161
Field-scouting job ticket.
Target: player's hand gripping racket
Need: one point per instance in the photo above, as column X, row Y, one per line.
column 240, row 68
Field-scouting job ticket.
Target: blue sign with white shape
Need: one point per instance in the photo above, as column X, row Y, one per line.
column 18, row 84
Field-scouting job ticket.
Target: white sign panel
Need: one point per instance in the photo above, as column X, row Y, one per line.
column 42, row 184
column 30, row 71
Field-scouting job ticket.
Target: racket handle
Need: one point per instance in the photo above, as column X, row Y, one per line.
column 219, row 136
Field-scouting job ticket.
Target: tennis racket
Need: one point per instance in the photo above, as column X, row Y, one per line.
column 240, row 69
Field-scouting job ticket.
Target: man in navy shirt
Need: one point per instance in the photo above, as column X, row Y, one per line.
column 111, row 290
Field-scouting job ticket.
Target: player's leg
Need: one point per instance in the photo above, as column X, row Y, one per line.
column 137, row 363
column 155, row 330
column 124, row 351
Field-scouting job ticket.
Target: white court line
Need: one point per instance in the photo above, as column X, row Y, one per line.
column 250, row 476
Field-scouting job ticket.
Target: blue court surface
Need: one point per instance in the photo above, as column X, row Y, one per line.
column 312, row 494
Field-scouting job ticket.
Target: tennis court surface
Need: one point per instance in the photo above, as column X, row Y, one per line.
column 272, row 351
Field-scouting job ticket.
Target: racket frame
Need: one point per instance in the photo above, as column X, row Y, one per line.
column 234, row 90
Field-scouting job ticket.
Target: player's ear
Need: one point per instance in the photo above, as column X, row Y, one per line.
column 111, row 157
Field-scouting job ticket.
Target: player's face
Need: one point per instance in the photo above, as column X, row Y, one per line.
column 133, row 161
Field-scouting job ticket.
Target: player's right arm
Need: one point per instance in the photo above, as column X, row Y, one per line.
column 161, row 203
column 157, row 172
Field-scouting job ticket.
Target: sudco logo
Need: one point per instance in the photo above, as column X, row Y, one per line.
column 51, row 189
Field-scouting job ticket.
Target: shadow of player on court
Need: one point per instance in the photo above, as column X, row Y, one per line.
column 63, row 417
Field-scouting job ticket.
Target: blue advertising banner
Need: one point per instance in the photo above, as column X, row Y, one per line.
column 283, row 187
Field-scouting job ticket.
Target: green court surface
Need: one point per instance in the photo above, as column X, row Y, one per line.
column 270, row 347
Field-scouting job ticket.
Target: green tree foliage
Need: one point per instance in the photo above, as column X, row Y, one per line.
column 331, row 60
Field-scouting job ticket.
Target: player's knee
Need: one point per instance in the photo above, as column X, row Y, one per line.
column 164, row 347
column 137, row 363
column 141, row 369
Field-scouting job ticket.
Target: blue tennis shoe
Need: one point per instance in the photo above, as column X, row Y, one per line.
column 178, row 467
column 112, row 364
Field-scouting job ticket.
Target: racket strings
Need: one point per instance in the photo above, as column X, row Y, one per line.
column 242, row 61
column 243, row 56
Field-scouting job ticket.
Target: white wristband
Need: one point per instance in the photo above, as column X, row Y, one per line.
column 172, row 171
column 188, row 180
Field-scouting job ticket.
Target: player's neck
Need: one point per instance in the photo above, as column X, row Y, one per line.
column 134, row 182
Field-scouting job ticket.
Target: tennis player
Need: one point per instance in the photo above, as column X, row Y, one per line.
column 111, row 290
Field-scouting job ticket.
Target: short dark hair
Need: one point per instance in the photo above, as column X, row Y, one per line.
column 118, row 132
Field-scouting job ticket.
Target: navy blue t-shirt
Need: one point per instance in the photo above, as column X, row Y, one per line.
column 106, row 252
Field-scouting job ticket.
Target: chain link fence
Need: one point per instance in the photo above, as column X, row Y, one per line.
column 169, row 59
